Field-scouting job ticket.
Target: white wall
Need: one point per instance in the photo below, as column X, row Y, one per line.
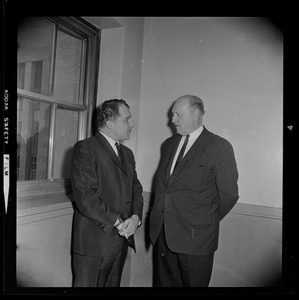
column 120, row 65
column 43, row 246
column 235, row 65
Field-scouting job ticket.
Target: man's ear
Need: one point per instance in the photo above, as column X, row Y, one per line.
column 109, row 124
column 196, row 114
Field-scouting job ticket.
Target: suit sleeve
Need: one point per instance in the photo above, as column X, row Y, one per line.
column 86, row 188
column 226, row 179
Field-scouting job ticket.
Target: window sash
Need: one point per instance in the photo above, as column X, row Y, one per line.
column 50, row 100
column 81, row 109
column 43, row 192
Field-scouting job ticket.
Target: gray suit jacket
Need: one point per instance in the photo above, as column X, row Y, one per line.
column 199, row 193
column 102, row 190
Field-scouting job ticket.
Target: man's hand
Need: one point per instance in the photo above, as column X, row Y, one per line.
column 129, row 226
column 119, row 224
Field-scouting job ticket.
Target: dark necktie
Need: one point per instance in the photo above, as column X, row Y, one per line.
column 120, row 153
column 180, row 156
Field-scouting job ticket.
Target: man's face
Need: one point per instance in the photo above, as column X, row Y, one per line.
column 123, row 125
column 183, row 118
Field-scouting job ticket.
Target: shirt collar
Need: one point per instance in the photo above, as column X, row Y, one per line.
column 196, row 133
column 109, row 139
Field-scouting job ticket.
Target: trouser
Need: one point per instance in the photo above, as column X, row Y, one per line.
column 105, row 271
column 181, row 270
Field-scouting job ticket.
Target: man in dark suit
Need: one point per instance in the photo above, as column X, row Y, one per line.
column 108, row 197
column 195, row 187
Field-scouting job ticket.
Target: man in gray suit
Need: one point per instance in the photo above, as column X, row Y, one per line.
column 108, row 197
column 195, row 187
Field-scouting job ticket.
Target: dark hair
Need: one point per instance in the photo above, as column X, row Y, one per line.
column 109, row 110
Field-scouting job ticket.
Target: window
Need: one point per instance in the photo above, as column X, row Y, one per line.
column 56, row 76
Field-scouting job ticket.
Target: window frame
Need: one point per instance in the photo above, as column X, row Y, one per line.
column 33, row 193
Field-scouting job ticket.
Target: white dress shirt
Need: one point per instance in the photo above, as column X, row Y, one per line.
column 111, row 142
column 192, row 138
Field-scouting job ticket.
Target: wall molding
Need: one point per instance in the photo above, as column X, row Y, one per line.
column 45, row 212
column 250, row 210
column 257, row 211
column 39, row 213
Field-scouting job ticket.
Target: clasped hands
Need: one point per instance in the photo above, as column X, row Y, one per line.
column 127, row 227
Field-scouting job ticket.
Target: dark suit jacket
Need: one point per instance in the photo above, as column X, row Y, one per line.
column 102, row 191
column 199, row 193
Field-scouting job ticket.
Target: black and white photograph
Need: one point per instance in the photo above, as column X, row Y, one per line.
column 147, row 154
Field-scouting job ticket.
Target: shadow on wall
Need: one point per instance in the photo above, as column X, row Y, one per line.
column 152, row 197
column 169, row 123
column 94, row 127
column 147, row 240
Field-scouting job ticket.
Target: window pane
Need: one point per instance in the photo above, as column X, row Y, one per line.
column 32, row 139
column 67, row 68
column 35, row 37
column 66, row 134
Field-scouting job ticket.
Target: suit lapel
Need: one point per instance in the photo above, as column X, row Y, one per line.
column 110, row 152
column 128, row 166
column 197, row 150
